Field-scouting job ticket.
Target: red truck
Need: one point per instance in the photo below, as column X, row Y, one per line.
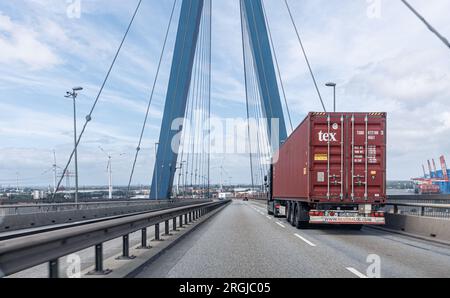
column 331, row 170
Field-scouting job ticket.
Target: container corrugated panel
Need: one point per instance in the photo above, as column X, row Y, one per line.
column 334, row 157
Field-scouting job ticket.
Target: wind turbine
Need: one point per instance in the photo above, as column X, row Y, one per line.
column 109, row 170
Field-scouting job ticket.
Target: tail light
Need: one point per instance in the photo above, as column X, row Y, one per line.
column 316, row 213
column 377, row 214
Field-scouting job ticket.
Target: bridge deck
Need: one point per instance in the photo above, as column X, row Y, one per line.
column 242, row 242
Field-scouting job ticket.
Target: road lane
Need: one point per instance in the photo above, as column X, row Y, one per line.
column 241, row 242
column 400, row 256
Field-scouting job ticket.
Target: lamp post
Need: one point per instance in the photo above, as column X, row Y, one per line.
column 180, row 175
column 74, row 95
column 333, row 85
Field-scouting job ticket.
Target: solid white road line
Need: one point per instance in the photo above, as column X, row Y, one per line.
column 305, row 240
column 356, row 272
column 281, row 225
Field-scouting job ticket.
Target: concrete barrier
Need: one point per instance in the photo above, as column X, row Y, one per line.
column 427, row 227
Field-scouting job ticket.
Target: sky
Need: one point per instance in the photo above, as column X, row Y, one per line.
column 380, row 55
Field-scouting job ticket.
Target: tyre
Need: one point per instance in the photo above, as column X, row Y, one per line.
column 294, row 214
column 268, row 209
column 288, row 212
column 299, row 223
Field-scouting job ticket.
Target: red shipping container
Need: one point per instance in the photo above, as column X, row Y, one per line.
column 351, row 147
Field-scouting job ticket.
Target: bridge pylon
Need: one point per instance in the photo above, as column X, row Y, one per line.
column 192, row 11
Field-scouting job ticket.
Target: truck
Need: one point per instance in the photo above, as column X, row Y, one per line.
column 225, row 196
column 331, row 170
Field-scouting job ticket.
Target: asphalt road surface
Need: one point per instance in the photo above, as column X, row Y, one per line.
column 241, row 241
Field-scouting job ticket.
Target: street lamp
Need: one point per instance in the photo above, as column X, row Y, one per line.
column 333, row 85
column 180, row 175
column 74, row 95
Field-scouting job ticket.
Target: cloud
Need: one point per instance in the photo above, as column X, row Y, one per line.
column 393, row 64
column 21, row 45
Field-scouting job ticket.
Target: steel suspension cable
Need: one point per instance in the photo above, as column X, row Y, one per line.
column 266, row 18
column 186, row 133
column 138, row 149
column 183, row 142
column 257, row 108
column 255, row 96
column 258, row 117
column 201, row 104
column 305, row 55
column 208, row 102
column 209, row 96
column 89, row 116
column 199, row 154
column 244, row 43
column 429, row 26
column 193, row 112
column 172, row 106
column 205, row 88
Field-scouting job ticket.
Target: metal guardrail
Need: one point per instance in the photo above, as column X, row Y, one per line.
column 420, row 209
column 420, row 199
column 22, row 209
column 26, row 252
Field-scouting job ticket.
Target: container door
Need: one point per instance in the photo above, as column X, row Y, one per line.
column 366, row 163
column 327, row 157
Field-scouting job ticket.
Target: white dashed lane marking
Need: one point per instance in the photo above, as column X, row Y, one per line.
column 281, row 225
column 305, row 240
column 356, row 272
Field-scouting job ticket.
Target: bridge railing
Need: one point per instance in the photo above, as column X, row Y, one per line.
column 419, row 209
column 22, row 209
column 27, row 252
column 420, row 199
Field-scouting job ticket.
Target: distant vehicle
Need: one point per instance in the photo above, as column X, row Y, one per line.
column 332, row 170
column 225, row 196
column 428, row 189
column 245, row 199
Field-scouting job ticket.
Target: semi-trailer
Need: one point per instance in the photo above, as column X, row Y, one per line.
column 331, row 170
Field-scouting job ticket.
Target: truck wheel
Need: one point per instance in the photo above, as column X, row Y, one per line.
column 268, row 208
column 299, row 224
column 293, row 214
column 288, row 212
